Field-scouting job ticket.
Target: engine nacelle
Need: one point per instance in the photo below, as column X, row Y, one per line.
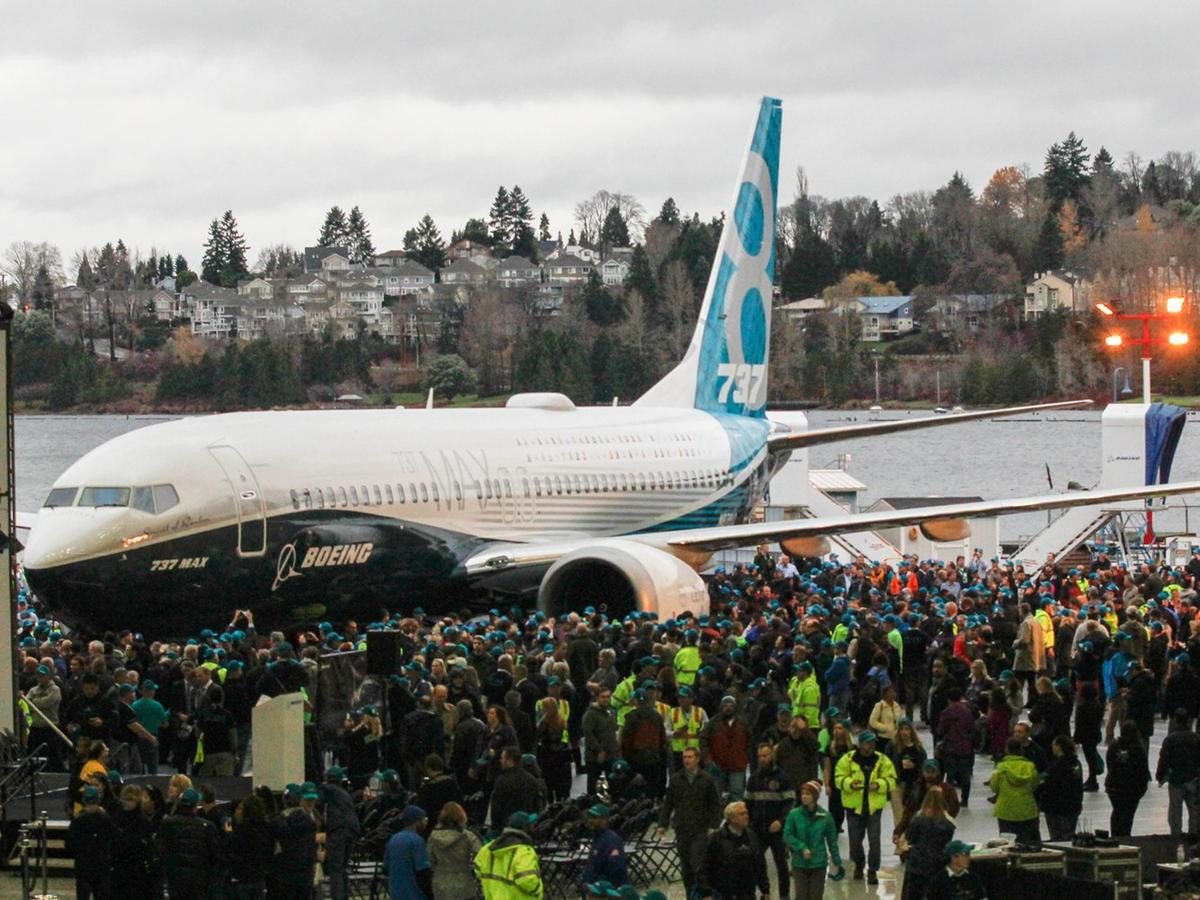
column 944, row 531
column 805, row 547
column 624, row 576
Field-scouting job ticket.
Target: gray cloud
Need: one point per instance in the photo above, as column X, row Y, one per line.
column 145, row 120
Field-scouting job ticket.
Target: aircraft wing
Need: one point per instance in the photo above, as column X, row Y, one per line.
column 731, row 536
column 501, row 556
column 782, row 441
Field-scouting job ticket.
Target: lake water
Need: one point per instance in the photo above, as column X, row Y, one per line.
column 991, row 459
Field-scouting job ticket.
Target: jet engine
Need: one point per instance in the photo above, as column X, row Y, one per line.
column 946, row 530
column 622, row 576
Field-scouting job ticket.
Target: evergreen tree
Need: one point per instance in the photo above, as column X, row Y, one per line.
column 521, row 224
column 216, row 258
column 235, row 251
column 181, row 265
column 500, row 221
column 544, row 228
column 334, row 230
column 641, row 277
column 43, row 289
column 358, row 238
column 1102, row 162
column 165, row 268
column 149, row 270
column 614, row 232
column 1048, row 253
column 106, row 266
column 669, row 214
column 122, row 270
column 1151, row 186
column 603, row 308
column 475, row 230
column 425, row 245
column 571, row 238
column 810, row 267
column 1065, row 171
column 85, row 279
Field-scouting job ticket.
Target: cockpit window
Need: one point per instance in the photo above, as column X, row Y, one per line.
column 165, row 497
column 143, row 500
column 104, row 496
column 61, row 497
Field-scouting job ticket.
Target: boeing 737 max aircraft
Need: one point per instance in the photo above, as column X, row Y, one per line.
column 336, row 514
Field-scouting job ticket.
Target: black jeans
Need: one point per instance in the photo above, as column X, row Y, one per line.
column 93, row 887
column 959, row 770
column 773, row 843
column 1027, row 831
column 1124, row 808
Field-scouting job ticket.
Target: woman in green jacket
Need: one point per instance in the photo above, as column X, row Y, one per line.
column 810, row 834
column 1014, row 781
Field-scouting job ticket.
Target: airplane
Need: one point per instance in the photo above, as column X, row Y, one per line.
column 301, row 515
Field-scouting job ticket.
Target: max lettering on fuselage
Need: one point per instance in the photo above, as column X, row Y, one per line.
column 186, row 562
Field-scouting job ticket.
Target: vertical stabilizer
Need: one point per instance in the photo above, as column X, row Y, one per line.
column 725, row 367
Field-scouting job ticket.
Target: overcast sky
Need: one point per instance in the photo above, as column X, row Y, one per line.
column 145, row 120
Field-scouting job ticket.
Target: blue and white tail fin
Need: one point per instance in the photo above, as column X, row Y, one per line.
column 725, row 367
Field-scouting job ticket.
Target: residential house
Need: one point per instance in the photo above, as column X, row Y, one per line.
column 463, row 271
column 799, row 310
column 614, row 270
column 334, row 266
column 258, row 318
column 389, row 258
column 213, row 310
column 480, row 254
column 579, row 251
column 403, row 278
column 517, row 271
column 313, row 256
column 257, row 288
column 970, row 312
column 305, row 289
column 1054, row 291
column 568, row 269
column 882, row 318
column 365, row 298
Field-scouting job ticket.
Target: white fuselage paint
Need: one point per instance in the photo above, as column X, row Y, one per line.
column 496, row 474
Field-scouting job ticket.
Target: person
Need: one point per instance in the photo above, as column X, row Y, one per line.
column 439, row 787
column 770, row 797
column 885, row 719
column 508, row 867
column 685, row 722
column 908, row 756
column 1029, row 660
column 342, row 830
column 811, row 839
column 133, row 855
column 553, row 746
column 452, row 848
column 1179, row 768
column 840, row 743
column 190, row 849
column 797, row 754
column 732, row 864
column 152, row 715
column 294, row 866
column 1014, row 781
column 1060, row 794
column 91, row 841
column 726, row 744
column 600, row 744
column 1089, row 714
column 931, row 779
column 956, row 733
column 693, row 803
column 406, row 860
column 866, row 779
column 515, row 790
column 606, row 857
column 251, row 846
column 644, row 743
column 925, row 841
column 1127, row 778
column 956, row 881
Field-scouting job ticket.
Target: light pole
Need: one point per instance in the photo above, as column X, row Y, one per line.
column 875, row 354
column 1126, row 390
column 1116, row 340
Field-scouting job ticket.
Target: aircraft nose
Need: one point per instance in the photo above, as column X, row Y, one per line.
column 61, row 536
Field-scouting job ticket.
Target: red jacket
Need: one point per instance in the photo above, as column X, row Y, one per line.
column 728, row 745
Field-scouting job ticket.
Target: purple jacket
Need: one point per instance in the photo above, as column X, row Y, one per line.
column 956, row 728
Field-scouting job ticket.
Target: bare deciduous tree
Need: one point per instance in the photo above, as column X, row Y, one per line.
column 590, row 213
column 22, row 260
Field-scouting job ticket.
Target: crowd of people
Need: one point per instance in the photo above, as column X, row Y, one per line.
column 811, row 700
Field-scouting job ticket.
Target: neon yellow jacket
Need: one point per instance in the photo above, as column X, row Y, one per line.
column 849, row 773
column 507, row 868
column 687, row 664
column 806, row 698
column 622, row 698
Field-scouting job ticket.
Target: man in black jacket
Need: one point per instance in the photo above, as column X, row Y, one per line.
column 296, row 837
column 733, row 865
column 515, row 790
column 424, row 733
column 190, row 849
column 1179, row 769
column 341, row 831
column 438, row 788
column 694, row 803
column 770, row 797
column 91, row 840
